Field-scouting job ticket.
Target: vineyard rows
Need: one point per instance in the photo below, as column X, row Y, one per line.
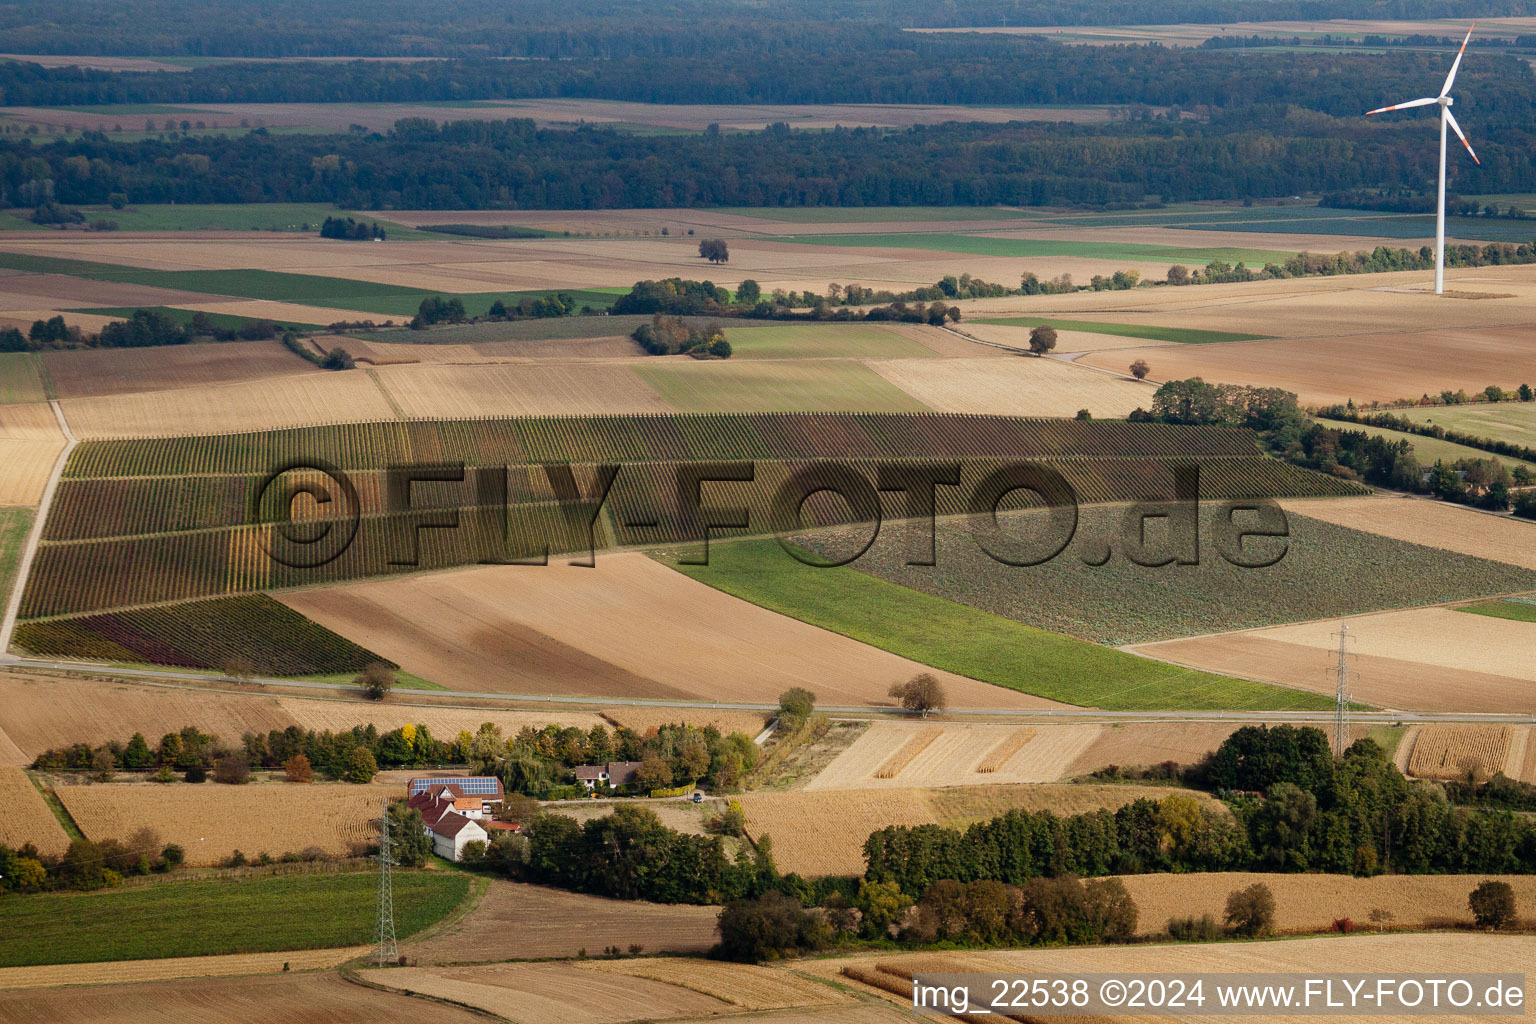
column 157, row 563
column 273, row 638
column 653, row 438
column 87, row 509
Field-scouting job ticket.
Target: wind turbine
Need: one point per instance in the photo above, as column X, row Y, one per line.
column 1446, row 118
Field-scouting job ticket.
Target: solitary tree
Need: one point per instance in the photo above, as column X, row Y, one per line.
column 795, row 706
column 239, row 668
column 714, row 250
column 1042, row 339
column 1251, row 911
column 232, row 770
column 298, row 769
column 376, row 680
column 1178, row 274
column 1381, row 917
column 1140, row 369
column 1493, row 905
column 922, row 693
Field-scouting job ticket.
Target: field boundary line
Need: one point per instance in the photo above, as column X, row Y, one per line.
column 35, row 536
column 145, row 677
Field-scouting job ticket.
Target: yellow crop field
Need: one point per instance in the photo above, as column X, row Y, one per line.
column 1004, row 751
column 958, row 755
column 823, row 833
column 1024, row 386
column 915, row 745
column 211, row 822
column 746, row 986
column 27, row 818
column 1460, row 751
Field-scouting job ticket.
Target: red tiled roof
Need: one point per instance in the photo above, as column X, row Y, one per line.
column 452, row 824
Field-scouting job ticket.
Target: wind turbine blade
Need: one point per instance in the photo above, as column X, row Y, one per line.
column 1445, row 90
column 1404, row 106
column 1451, row 119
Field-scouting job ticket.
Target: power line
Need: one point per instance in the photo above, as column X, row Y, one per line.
column 386, row 951
column 1341, row 674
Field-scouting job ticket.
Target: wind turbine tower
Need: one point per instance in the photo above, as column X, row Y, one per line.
column 1444, row 101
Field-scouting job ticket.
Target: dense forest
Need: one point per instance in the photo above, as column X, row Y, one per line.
column 1495, row 90
column 605, row 28
column 514, row 165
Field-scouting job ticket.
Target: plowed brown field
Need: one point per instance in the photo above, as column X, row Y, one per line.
column 562, row 630
column 86, row 373
column 523, row 922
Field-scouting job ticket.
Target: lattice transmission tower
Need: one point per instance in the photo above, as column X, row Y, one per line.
column 1341, row 674
column 385, row 951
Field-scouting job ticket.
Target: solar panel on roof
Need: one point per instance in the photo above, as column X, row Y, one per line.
column 468, row 785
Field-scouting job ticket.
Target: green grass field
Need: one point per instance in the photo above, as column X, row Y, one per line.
column 813, row 341
column 1182, row 335
column 1018, row 248
column 768, row 386
column 254, row 915
column 1429, row 450
column 974, row 643
column 14, row 524
column 1503, row 421
column 1520, row 611
column 306, row 289
column 874, row 214
column 223, row 321
column 21, row 379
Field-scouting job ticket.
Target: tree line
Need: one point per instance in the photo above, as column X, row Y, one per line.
column 585, row 28
column 1291, row 806
column 512, row 164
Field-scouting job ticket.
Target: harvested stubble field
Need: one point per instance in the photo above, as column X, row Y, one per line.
column 954, row 755
column 1312, row 902
column 339, row 397
column 138, row 972
column 325, row 998
column 1360, row 367
column 1360, row 954
column 1150, row 743
column 432, row 391
column 1434, row 524
column 1017, row 337
column 642, row 719
column 559, row 349
column 1015, row 387
column 1121, row 602
column 30, row 442
column 27, row 818
column 1387, row 682
column 38, row 712
column 552, row 993
column 1460, row 751
column 744, row 986
column 89, row 373
column 211, row 822
column 534, row 630
column 823, row 833
column 525, row 922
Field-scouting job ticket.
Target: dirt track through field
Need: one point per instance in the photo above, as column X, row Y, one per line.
column 566, row 630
